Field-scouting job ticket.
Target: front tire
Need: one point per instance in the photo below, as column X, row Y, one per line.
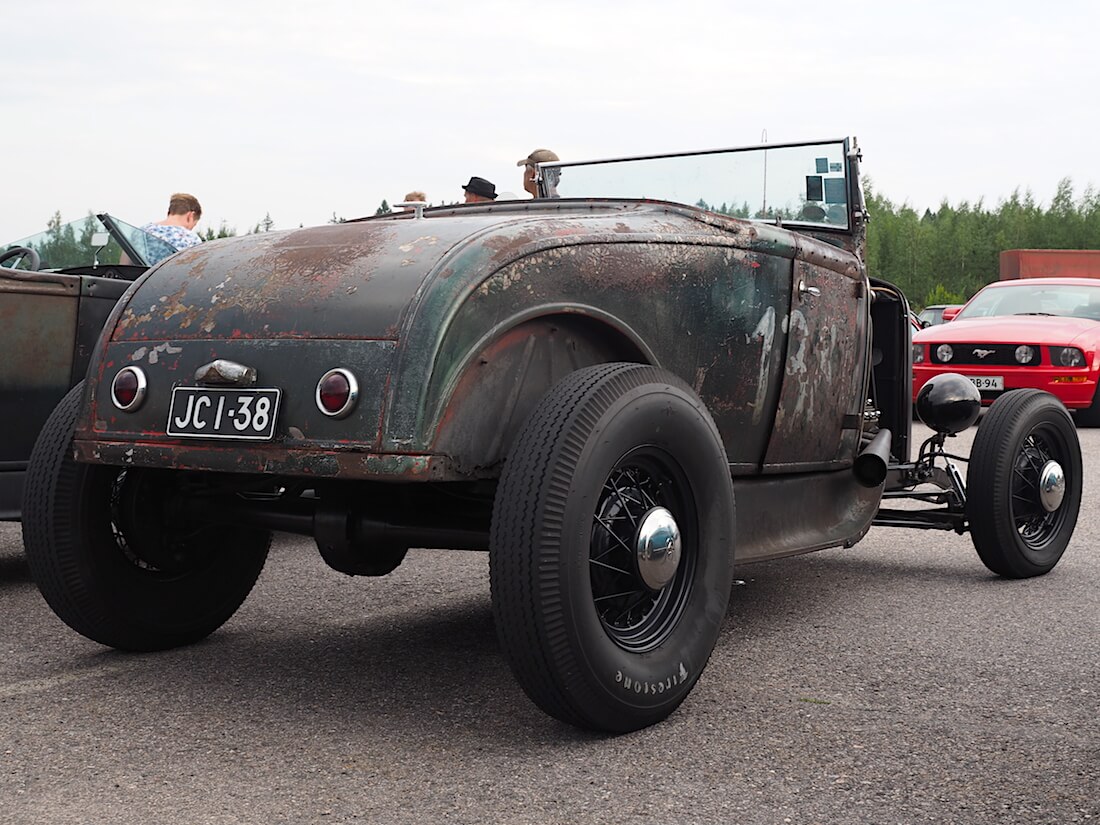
column 103, row 554
column 607, row 621
column 1090, row 415
column 1021, row 516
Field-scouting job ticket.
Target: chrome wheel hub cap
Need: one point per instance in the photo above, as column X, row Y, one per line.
column 657, row 548
column 1052, row 486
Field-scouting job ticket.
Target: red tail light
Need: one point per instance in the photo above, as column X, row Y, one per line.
column 128, row 389
column 337, row 392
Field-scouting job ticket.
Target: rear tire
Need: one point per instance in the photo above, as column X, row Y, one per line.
column 1020, row 521
column 598, row 632
column 104, row 555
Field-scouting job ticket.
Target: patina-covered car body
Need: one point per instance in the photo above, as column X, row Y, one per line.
column 446, row 317
column 50, row 319
column 617, row 393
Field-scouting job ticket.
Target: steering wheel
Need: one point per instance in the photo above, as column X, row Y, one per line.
column 32, row 259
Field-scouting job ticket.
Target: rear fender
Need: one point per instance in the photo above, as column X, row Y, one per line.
column 509, row 372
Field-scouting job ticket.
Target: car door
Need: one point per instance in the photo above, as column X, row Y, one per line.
column 49, row 323
column 821, row 402
column 38, row 313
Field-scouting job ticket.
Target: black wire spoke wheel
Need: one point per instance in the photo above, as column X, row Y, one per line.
column 637, row 615
column 114, row 556
column 1024, row 484
column 148, row 534
column 1031, row 480
column 611, row 548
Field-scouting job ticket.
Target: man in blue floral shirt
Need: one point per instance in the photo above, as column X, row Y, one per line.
column 178, row 229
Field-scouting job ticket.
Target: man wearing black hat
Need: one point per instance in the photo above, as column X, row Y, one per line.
column 479, row 190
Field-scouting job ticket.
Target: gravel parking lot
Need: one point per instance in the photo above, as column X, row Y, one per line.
column 894, row 682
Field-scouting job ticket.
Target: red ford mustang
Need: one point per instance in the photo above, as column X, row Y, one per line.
column 1038, row 332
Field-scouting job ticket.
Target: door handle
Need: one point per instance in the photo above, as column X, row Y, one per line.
column 805, row 289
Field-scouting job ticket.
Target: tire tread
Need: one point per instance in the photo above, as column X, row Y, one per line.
column 529, row 522
column 60, row 554
column 989, row 480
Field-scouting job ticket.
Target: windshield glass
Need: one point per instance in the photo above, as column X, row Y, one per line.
column 66, row 245
column 931, row 316
column 149, row 247
column 805, row 183
column 1034, row 298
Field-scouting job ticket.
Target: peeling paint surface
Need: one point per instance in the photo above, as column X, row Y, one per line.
column 424, row 311
column 304, row 283
column 827, row 351
column 299, row 419
column 153, row 352
column 764, row 336
column 695, row 294
column 302, row 462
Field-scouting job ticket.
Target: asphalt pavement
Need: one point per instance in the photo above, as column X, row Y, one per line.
column 894, row 682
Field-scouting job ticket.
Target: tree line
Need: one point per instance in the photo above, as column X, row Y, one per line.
column 944, row 257
column 940, row 257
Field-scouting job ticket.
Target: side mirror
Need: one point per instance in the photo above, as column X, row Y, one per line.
column 949, row 313
column 99, row 241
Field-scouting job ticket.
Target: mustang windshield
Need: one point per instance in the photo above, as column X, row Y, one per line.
column 1027, row 298
column 804, row 183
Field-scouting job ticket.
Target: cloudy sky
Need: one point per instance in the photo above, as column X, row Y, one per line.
column 306, row 110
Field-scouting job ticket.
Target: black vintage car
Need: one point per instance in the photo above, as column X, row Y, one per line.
column 663, row 367
column 56, row 290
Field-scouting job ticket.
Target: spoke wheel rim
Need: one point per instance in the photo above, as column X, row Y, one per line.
column 634, row 615
column 139, row 526
column 1035, row 522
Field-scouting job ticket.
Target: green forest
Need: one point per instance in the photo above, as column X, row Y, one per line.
column 944, row 257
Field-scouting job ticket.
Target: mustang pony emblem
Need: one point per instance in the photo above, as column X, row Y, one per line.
column 982, row 353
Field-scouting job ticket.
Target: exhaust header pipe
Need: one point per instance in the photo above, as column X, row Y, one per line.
column 870, row 465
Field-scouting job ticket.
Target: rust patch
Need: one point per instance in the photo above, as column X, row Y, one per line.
column 261, row 277
column 309, row 461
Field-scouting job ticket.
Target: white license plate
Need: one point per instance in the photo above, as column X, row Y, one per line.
column 200, row 412
column 988, row 382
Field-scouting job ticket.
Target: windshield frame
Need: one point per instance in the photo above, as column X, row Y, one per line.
column 123, row 239
column 549, row 174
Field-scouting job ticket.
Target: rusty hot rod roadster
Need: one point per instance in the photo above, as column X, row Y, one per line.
column 663, row 367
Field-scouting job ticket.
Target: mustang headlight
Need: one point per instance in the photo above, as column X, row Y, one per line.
column 945, row 353
column 918, row 353
column 1024, row 354
column 1067, row 356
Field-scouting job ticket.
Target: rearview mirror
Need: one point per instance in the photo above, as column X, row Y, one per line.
column 100, row 239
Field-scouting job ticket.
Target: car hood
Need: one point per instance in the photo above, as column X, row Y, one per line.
column 1011, row 329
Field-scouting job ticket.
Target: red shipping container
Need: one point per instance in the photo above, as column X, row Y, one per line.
column 1050, row 263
